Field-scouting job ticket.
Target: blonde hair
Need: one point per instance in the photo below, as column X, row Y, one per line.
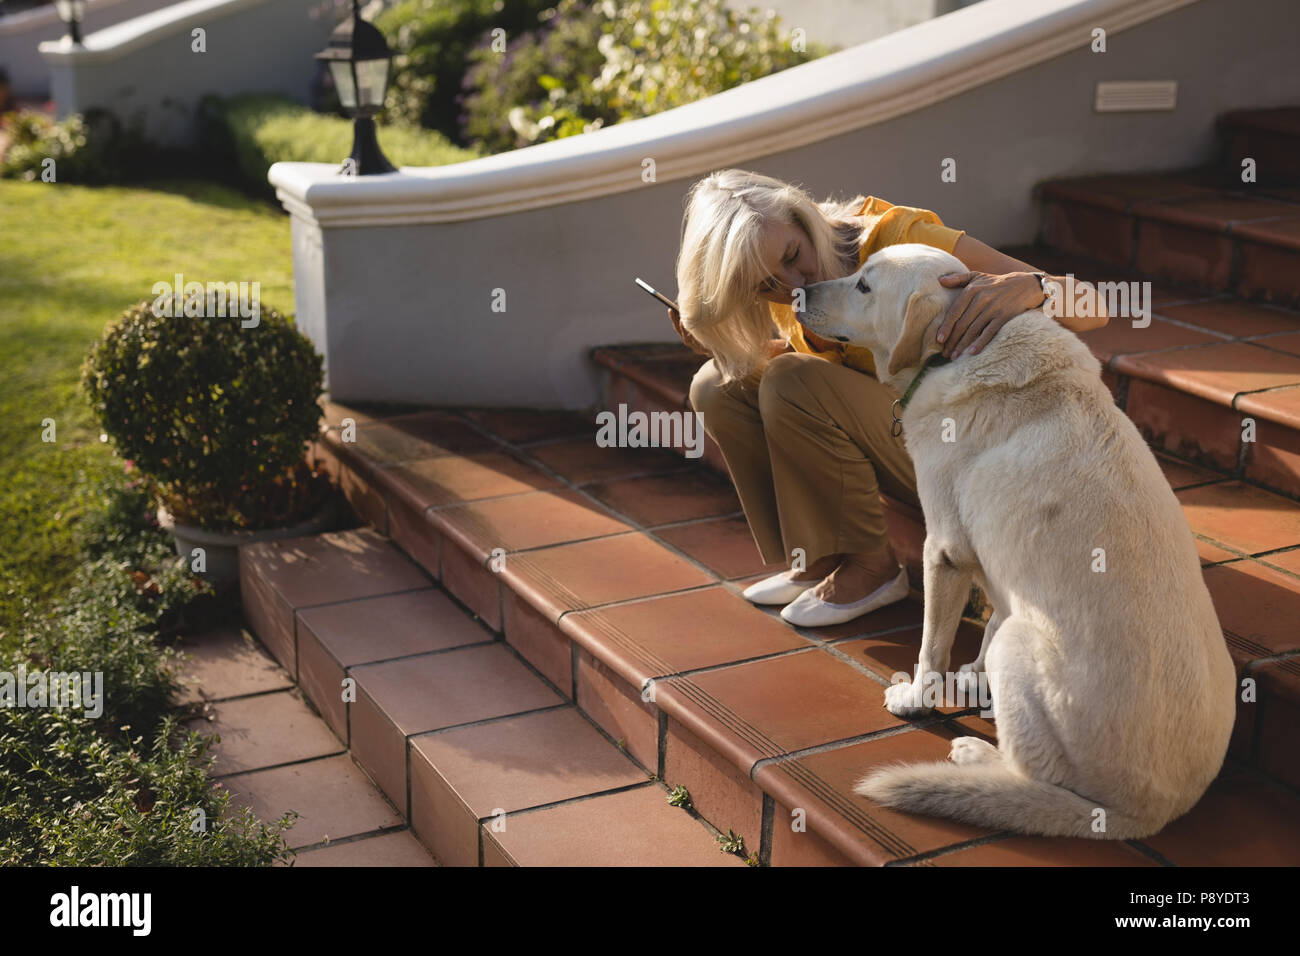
column 720, row 267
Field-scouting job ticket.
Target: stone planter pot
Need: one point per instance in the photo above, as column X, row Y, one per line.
column 221, row 548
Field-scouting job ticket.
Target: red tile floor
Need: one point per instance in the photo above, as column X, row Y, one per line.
column 276, row 754
column 601, row 593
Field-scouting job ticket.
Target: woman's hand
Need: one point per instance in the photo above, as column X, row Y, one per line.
column 987, row 303
column 778, row 347
column 687, row 339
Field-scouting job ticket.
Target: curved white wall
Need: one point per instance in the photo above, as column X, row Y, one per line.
column 21, row 35
column 148, row 65
column 396, row 275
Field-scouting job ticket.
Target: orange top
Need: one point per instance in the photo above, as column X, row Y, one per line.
column 886, row 225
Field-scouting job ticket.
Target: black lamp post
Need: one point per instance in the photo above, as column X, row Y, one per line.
column 71, row 12
column 359, row 59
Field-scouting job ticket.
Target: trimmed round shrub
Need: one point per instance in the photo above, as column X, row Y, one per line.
column 215, row 416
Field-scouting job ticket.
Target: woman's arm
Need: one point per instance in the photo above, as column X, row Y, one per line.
column 997, row 289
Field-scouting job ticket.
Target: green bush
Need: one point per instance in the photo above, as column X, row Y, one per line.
column 215, row 415
column 256, row 130
column 431, row 41
column 509, row 90
column 70, row 798
column 594, row 64
column 88, row 149
column 121, row 788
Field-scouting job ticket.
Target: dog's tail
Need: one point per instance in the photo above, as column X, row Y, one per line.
column 996, row 796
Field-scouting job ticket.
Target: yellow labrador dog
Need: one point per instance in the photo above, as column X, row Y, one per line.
column 1110, row 679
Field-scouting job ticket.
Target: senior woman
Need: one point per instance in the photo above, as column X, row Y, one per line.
column 802, row 422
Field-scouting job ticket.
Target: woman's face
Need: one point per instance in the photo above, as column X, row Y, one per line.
column 790, row 260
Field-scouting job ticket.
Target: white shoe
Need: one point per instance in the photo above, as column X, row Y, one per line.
column 808, row 610
column 778, row 589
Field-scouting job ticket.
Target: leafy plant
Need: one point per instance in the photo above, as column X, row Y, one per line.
column 679, row 796
column 128, row 787
column 431, row 41
column 590, row 65
column 216, row 416
column 90, row 149
column 731, row 843
column 540, row 87
column 68, row 797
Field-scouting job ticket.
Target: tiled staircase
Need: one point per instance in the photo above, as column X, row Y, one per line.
column 606, row 581
column 453, row 725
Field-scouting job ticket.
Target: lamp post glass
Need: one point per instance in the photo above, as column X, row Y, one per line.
column 71, row 12
column 369, row 77
column 345, row 85
column 358, row 59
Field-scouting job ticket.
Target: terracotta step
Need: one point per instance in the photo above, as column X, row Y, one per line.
column 1182, row 227
column 275, row 755
column 1205, row 367
column 638, row 622
column 548, row 789
column 653, row 378
column 1271, row 137
column 490, row 765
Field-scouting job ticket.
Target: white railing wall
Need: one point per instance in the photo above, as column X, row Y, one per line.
column 397, row 276
column 21, row 35
column 149, row 66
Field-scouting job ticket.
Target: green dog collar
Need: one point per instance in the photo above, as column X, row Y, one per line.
column 934, row 361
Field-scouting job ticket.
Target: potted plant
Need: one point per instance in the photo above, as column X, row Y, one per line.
column 216, row 417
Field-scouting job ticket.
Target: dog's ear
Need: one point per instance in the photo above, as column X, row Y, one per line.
column 918, row 341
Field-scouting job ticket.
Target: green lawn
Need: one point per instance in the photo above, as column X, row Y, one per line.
column 71, row 259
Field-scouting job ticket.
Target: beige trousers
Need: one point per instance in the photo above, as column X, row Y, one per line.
column 810, row 451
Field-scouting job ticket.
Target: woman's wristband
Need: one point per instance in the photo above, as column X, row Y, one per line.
column 1043, row 279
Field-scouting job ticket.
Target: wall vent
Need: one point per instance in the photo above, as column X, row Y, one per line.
column 1135, row 95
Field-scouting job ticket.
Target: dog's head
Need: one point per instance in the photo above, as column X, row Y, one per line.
column 892, row 305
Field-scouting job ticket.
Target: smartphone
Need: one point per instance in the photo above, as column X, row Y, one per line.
column 658, row 295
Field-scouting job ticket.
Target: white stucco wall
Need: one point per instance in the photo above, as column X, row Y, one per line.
column 149, row 65
column 22, row 33
column 402, row 310
column 845, row 23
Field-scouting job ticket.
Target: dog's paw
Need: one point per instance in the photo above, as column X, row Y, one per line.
column 906, row 699
column 968, row 750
